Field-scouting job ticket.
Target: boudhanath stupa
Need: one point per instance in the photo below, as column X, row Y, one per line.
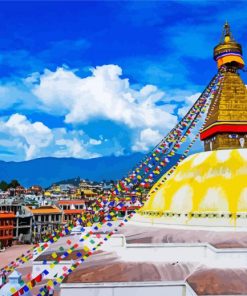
column 209, row 188
column 190, row 237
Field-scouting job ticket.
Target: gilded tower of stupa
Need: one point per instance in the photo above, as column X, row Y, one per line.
column 226, row 127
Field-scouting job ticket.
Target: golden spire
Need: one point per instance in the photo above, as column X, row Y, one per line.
column 226, row 124
column 228, row 51
column 227, row 33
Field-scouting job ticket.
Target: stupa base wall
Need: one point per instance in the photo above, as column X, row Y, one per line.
column 212, row 223
column 120, row 289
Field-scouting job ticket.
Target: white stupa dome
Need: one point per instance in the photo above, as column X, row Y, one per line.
column 207, row 188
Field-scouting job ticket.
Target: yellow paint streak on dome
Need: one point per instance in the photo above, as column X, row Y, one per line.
column 200, row 158
column 242, row 204
column 243, row 153
column 223, row 155
column 182, row 201
column 157, row 201
column 220, row 174
column 215, row 200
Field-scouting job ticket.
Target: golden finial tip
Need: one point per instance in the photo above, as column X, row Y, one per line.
column 228, row 50
column 227, row 31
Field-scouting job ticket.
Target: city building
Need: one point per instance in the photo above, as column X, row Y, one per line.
column 35, row 189
column 45, row 219
column 89, row 185
column 6, row 229
column 88, row 194
column 71, row 209
column 19, row 190
column 22, row 220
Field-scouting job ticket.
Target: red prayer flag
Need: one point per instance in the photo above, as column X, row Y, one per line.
column 38, row 278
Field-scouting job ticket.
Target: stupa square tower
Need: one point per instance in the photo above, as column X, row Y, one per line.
column 226, row 125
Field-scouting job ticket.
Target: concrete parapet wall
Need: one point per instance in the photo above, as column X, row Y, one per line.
column 123, row 289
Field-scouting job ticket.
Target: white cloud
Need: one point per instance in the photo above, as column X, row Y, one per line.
column 189, row 101
column 72, row 143
column 33, row 136
column 73, row 148
column 146, row 111
column 16, row 94
column 102, row 95
column 147, row 138
column 32, row 140
column 95, row 142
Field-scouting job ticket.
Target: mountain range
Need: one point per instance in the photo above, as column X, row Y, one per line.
column 48, row 170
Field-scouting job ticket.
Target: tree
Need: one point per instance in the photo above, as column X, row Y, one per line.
column 4, row 185
column 14, row 183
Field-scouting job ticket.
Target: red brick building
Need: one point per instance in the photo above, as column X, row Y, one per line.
column 6, row 228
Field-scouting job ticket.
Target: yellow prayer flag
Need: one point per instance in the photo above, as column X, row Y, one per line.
column 50, row 283
column 86, row 249
column 54, row 255
column 59, row 280
column 29, row 284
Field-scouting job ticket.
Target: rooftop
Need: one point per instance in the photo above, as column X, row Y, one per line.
column 71, row 202
column 4, row 214
column 120, row 271
column 219, row 281
column 45, row 210
column 75, row 211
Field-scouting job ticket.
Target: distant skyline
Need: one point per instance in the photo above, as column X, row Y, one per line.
column 87, row 79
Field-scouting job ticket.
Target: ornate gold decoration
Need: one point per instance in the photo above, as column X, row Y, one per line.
column 230, row 105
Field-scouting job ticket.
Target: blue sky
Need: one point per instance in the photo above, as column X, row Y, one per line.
column 86, row 79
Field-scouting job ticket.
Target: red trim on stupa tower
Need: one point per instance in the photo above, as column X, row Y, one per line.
column 223, row 128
